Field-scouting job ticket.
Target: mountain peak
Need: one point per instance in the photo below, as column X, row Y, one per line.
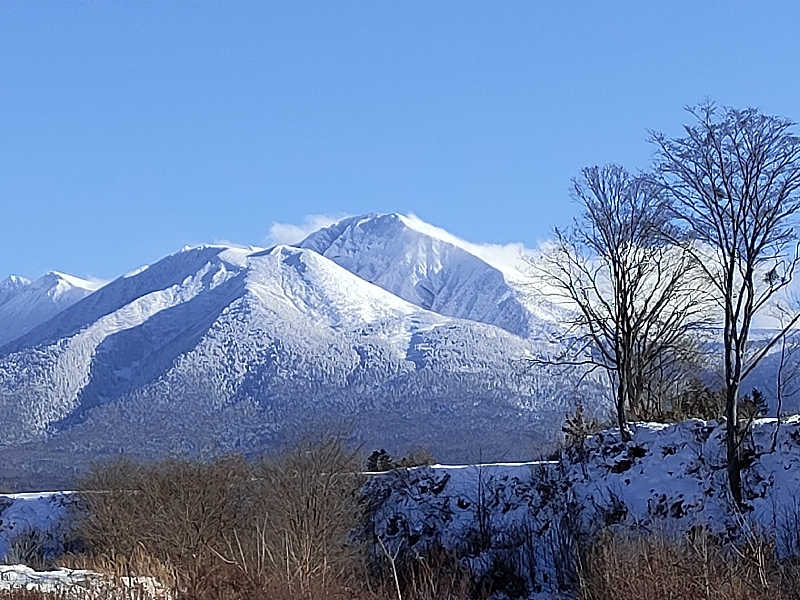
column 428, row 266
column 11, row 286
column 65, row 279
column 14, row 281
column 25, row 304
column 510, row 259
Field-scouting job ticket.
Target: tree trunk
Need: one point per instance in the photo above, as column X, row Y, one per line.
column 732, row 442
column 622, row 396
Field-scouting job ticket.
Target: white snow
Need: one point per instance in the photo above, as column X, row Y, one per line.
column 321, row 289
column 11, row 286
column 669, row 479
column 30, row 304
column 39, row 511
column 510, row 259
column 278, row 335
column 79, row 583
column 428, row 267
column 378, row 315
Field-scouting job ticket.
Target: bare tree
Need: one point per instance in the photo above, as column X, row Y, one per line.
column 665, row 381
column 632, row 295
column 733, row 180
column 787, row 377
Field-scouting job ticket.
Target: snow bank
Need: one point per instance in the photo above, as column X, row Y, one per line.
column 79, row 584
column 673, row 477
column 42, row 512
column 669, row 478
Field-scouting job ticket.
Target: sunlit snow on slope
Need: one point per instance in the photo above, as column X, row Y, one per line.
column 382, row 322
column 435, row 270
column 24, row 304
column 510, row 259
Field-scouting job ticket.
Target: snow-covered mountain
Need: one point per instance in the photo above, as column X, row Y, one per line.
column 25, row 304
column 11, row 286
column 437, row 271
column 381, row 325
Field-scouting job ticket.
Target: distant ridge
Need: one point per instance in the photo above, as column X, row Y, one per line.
column 25, row 304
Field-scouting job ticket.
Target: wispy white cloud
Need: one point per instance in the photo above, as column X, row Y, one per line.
column 512, row 259
column 292, row 233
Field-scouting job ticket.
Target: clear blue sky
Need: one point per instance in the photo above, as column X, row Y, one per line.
column 130, row 128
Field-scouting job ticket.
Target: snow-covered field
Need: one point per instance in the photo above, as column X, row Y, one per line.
column 43, row 512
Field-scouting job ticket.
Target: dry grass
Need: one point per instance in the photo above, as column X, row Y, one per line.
column 697, row 568
column 280, row 528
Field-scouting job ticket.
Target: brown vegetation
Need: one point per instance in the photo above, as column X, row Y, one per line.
column 279, row 528
column 698, row 567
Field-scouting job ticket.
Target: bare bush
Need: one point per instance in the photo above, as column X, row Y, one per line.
column 31, row 548
column 171, row 512
column 306, row 506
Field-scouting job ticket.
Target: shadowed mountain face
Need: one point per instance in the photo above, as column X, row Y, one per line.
column 382, row 326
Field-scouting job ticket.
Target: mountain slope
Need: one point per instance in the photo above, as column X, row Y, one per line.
column 11, row 286
column 436, row 271
column 380, row 325
column 217, row 349
column 24, row 304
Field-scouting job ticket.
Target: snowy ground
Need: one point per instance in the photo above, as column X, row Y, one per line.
column 78, row 584
column 39, row 511
column 669, row 478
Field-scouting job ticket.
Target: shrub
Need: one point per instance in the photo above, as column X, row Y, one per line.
column 381, row 460
column 172, row 511
column 229, row 529
column 306, row 504
column 32, row 548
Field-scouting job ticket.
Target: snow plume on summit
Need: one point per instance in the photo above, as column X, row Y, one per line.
column 510, row 259
column 293, row 233
column 435, row 270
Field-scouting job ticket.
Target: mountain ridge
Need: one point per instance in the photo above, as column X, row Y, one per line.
column 217, row 348
column 26, row 304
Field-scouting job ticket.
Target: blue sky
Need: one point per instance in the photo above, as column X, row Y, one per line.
column 129, row 129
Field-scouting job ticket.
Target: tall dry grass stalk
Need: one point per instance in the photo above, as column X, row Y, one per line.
column 698, row 567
